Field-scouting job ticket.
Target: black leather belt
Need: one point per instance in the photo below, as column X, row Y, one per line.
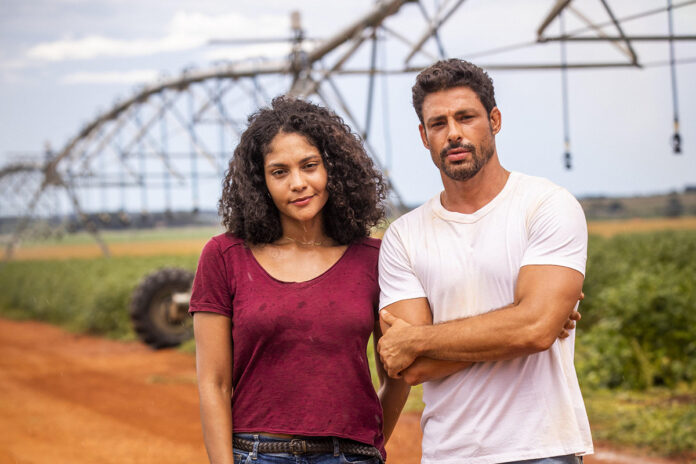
column 317, row 446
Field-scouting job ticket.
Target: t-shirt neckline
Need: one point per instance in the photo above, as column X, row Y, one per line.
column 303, row 283
column 447, row 215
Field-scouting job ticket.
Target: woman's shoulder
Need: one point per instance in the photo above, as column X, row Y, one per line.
column 364, row 256
column 369, row 243
column 366, row 248
column 225, row 241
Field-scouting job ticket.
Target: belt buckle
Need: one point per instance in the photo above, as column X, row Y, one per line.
column 298, row 446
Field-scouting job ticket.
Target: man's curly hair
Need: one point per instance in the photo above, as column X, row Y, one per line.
column 446, row 74
column 356, row 188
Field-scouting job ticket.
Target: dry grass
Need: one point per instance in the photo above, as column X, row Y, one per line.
column 92, row 250
column 174, row 245
column 623, row 226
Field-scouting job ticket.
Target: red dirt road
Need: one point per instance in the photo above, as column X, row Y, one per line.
column 76, row 399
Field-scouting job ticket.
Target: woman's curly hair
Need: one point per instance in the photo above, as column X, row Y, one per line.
column 356, row 188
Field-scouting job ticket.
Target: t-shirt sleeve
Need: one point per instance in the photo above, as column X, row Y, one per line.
column 211, row 287
column 557, row 233
column 397, row 279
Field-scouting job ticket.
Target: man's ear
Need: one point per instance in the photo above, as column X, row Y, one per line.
column 495, row 119
column 424, row 137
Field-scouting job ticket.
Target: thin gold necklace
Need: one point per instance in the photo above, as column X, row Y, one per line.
column 300, row 242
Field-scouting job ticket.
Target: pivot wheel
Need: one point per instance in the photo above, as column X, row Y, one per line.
column 159, row 308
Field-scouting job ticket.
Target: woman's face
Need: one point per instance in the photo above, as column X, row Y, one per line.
column 296, row 177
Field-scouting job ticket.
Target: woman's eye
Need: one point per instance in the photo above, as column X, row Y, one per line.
column 277, row 172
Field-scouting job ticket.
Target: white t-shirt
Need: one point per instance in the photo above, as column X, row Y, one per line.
column 465, row 265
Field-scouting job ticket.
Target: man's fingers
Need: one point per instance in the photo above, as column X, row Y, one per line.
column 387, row 317
column 569, row 325
column 575, row 316
column 564, row 334
column 582, row 296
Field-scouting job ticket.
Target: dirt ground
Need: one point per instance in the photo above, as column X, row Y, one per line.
column 77, row 399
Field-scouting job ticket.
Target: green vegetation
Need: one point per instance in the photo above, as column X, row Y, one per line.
column 639, row 315
column 636, row 345
column 635, row 348
column 660, row 420
column 82, row 295
column 131, row 235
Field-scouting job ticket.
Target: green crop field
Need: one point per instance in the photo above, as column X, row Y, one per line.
column 635, row 347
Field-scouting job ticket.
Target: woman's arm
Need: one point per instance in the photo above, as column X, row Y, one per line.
column 392, row 392
column 214, row 371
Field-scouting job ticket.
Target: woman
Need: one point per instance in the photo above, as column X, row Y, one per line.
column 286, row 300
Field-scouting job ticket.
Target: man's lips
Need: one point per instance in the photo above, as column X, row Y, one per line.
column 457, row 154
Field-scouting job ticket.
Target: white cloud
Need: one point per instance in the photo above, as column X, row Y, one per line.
column 186, row 31
column 112, row 77
column 239, row 52
column 14, row 64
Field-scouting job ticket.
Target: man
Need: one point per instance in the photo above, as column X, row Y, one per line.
column 496, row 261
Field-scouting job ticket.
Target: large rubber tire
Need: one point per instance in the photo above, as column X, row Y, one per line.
column 156, row 320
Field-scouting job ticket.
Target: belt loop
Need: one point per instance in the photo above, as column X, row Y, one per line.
column 255, row 451
column 337, row 449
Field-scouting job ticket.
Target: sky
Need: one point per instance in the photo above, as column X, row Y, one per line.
column 62, row 62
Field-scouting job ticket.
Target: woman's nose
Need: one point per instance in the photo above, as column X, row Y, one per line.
column 297, row 181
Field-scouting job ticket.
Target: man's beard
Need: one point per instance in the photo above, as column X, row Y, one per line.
column 465, row 169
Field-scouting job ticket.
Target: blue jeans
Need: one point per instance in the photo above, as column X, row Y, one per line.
column 251, row 457
column 568, row 459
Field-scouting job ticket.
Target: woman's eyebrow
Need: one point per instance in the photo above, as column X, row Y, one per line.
column 303, row 160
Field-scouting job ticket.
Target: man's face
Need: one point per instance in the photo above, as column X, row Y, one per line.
column 458, row 132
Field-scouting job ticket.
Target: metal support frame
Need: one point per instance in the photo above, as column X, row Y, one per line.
column 567, row 157
column 676, row 138
column 442, row 15
column 623, row 38
column 141, row 138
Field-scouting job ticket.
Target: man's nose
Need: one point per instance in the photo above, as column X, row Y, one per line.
column 454, row 132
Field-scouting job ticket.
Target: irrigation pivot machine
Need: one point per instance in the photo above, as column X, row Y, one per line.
column 171, row 140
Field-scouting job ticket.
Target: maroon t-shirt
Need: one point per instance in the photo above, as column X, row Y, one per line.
column 300, row 362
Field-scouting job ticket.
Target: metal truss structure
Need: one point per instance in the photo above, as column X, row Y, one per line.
column 173, row 138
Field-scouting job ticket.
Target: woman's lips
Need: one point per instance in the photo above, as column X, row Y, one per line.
column 302, row 201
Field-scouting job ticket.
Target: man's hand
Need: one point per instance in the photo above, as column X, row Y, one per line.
column 395, row 347
column 572, row 319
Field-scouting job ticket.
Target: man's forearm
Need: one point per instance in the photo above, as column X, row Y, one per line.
column 425, row 369
column 544, row 300
column 512, row 331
